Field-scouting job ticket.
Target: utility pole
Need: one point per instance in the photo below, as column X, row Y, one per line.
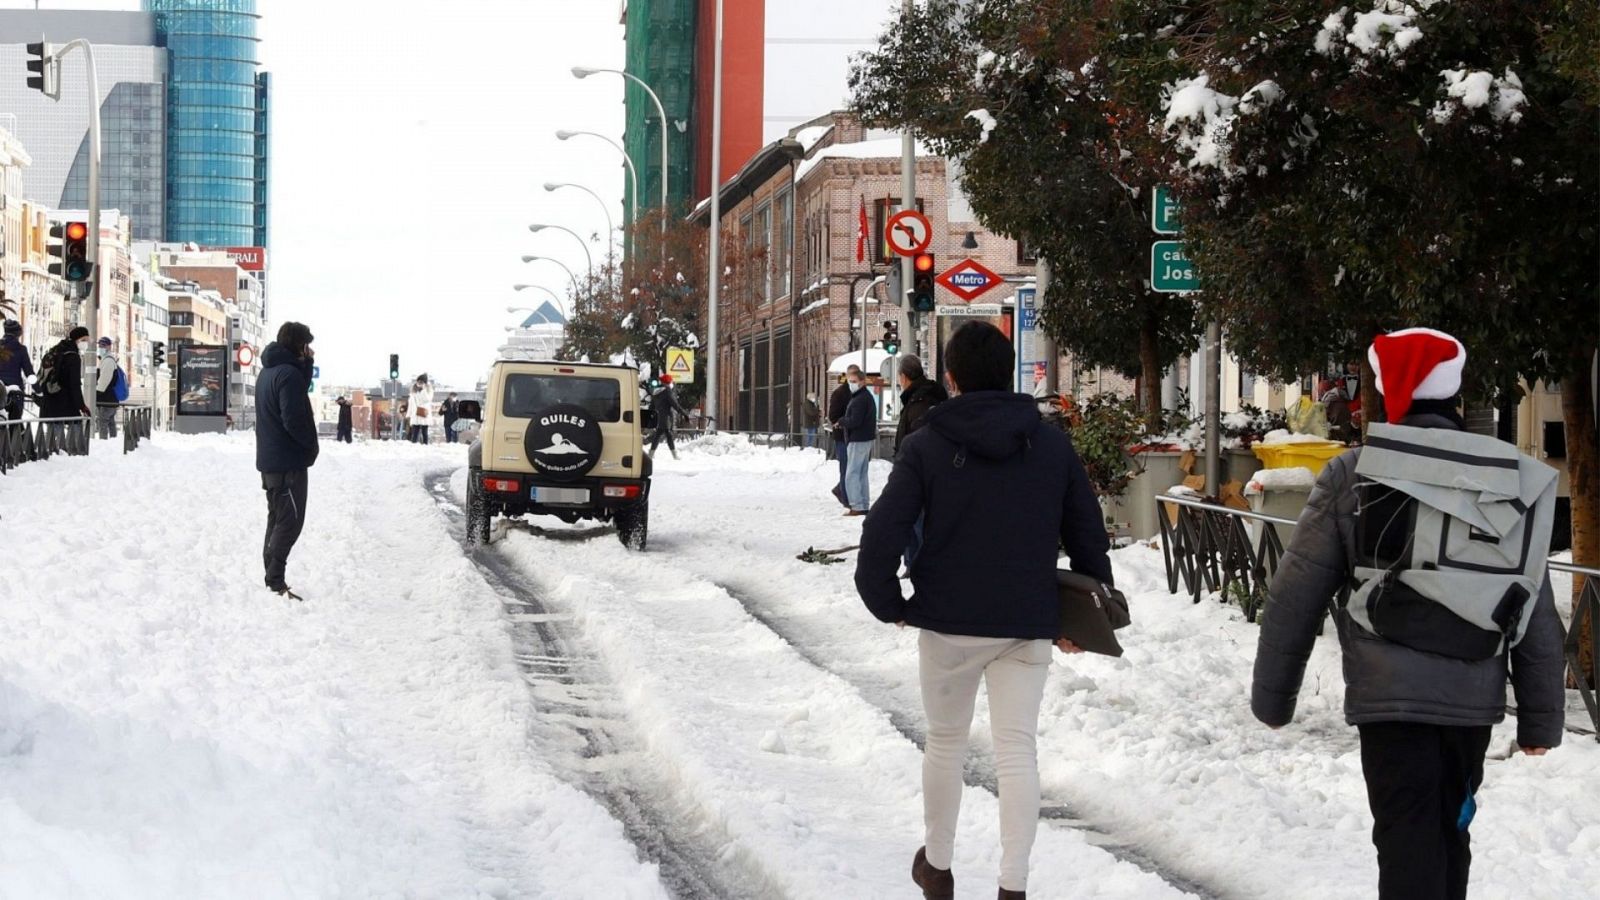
column 908, row 200
column 1213, row 408
column 1052, row 355
column 714, row 268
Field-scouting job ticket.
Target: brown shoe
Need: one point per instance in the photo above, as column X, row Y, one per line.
column 936, row 884
column 1013, row 895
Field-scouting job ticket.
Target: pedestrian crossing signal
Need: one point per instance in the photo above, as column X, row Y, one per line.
column 891, row 338
column 394, row 367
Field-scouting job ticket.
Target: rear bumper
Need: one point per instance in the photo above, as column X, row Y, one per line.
column 599, row 505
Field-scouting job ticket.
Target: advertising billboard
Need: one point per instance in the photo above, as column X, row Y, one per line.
column 203, row 380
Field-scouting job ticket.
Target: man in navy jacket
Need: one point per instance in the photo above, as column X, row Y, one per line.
column 286, row 444
column 999, row 493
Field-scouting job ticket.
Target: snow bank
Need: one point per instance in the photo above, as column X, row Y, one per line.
column 168, row 729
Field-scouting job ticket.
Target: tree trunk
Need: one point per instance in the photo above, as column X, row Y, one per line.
column 1371, row 400
column 1150, row 373
column 1583, row 469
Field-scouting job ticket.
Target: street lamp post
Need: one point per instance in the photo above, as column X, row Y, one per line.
column 585, row 72
column 568, row 269
column 581, row 242
column 627, row 161
column 610, row 228
column 560, row 302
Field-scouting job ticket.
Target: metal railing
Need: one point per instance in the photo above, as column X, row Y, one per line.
column 31, row 440
column 1208, row 548
column 136, row 426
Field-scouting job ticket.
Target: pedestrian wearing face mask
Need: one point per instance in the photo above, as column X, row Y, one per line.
column 60, row 382
column 111, row 389
column 860, row 425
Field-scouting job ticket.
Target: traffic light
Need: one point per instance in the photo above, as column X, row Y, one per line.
column 891, row 337
column 72, row 250
column 922, row 272
column 43, row 70
column 158, row 353
column 394, row 367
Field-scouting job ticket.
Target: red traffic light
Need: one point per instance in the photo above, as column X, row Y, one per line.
column 77, row 231
column 923, row 262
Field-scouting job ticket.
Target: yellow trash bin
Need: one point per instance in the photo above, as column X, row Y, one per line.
column 1313, row 456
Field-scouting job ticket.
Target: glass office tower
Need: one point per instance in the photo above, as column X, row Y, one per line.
column 216, row 122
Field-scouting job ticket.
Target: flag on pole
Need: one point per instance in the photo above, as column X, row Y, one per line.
column 861, row 232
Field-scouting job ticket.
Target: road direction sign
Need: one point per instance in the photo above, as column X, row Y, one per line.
column 1171, row 270
column 968, row 278
column 908, row 232
column 680, row 365
column 1164, row 211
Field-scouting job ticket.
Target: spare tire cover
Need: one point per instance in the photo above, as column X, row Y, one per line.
column 563, row 442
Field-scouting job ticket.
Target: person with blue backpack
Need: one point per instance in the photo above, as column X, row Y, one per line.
column 1434, row 542
column 110, row 391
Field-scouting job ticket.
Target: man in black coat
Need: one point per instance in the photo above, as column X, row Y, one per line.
column 664, row 403
column 838, row 402
column 286, row 445
column 61, row 393
column 1000, row 493
column 346, row 430
column 918, row 395
column 450, row 411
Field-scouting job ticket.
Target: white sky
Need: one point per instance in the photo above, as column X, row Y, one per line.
column 410, row 143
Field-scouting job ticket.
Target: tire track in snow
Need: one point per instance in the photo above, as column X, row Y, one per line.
column 581, row 717
column 980, row 771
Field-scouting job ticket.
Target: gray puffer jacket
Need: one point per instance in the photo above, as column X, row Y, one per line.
column 1386, row 682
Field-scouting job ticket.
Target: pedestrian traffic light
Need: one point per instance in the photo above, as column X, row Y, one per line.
column 891, row 337
column 922, row 272
column 44, row 70
column 394, row 367
column 72, row 250
column 158, row 353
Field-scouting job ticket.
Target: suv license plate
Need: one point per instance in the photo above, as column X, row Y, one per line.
column 561, row 496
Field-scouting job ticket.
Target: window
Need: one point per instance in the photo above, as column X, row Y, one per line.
column 762, row 257
column 527, row 395
column 784, row 230
column 1027, row 254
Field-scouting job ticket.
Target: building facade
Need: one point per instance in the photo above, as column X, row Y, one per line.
column 131, row 67
column 217, row 103
column 184, row 116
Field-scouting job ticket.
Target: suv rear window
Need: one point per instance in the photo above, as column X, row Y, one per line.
column 527, row 395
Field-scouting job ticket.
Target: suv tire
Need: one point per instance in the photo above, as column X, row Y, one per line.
column 633, row 525
column 478, row 518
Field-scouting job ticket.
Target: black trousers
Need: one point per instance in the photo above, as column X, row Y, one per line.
column 450, row 436
column 286, row 515
column 1420, row 784
column 344, row 434
column 418, row 435
column 13, row 405
column 655, row 439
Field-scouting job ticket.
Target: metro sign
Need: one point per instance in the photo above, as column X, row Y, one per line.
column 968, row 279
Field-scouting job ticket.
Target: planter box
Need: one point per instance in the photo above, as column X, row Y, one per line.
column 1239, row 465
column 1135, row 510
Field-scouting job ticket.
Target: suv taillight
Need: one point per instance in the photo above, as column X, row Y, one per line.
column 502, row 485
column 622, row 491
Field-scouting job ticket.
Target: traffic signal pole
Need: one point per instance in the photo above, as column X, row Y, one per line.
column 92, row 317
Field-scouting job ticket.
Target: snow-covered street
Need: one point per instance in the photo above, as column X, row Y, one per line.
column 557, row 716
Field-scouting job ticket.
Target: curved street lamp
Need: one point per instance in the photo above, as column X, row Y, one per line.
column 566, row 268
column 581, row 242
column 604, row 207
column 627, row 162
column 561, row 302
column 586, row 71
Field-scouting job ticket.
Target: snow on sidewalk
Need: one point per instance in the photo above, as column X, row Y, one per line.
column 1160, row 745
column 169, row 729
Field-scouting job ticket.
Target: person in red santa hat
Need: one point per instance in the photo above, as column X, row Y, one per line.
column 1423, row 703
column 664, row 402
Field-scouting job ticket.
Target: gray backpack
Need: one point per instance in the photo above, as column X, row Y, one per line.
column 1452, row 536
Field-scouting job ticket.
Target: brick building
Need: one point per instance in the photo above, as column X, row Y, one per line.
column 791, row 216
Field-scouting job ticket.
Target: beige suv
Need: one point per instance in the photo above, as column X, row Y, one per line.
column 564, row 440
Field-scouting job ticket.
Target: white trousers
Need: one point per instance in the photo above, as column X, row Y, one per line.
column 951, row 666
